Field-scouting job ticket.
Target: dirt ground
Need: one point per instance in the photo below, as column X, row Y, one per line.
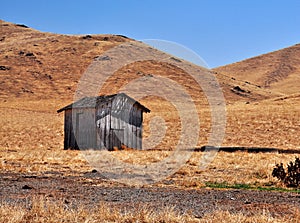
column 90, row 189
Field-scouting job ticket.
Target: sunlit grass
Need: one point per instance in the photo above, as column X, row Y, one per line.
column 42, row 210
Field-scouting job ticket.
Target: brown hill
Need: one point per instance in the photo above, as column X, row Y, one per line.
column 278, row 71
column 41, row 65
column 45, row 65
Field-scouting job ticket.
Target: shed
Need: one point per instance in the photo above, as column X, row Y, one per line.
column 103, row 122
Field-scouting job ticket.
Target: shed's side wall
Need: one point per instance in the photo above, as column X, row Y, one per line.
column 80, row 129
column 69, row 137
column 85, row 127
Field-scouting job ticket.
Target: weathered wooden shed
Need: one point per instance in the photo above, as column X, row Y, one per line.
column 103, row 122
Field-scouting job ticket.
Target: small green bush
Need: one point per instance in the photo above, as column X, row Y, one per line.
column 291, row 177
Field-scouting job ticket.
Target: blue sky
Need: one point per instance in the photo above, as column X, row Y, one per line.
column 220, row 31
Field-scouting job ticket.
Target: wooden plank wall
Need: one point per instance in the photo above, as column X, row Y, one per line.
column 80, row 129
column 86, row 126
column 69, row 136
column 112, row 124
column 103, row 125
column 118, row 122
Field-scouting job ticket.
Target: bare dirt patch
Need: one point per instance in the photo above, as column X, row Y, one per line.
column 91, row 190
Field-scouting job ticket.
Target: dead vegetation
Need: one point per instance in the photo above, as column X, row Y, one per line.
column 24, row 150
column 47, row 211
column 277, row 71
column 289, row 176
column 39, row 74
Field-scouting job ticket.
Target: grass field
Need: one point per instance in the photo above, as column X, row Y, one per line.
column 45, row 211
column 32, row 142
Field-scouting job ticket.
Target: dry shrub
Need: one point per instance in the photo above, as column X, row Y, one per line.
column 291, row 177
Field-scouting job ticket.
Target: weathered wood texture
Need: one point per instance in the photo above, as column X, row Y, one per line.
column 104, row 122
column 69, row 137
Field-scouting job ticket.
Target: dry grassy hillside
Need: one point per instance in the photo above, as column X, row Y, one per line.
column 40, row 72
column 39, row 65
column 278, row 71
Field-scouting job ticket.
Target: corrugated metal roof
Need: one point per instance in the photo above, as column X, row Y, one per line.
column 92, row 102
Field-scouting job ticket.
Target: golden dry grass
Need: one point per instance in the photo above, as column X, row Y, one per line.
column 264, row 124
column 31, row 140
column 239, row 168
column 49, row 211
column 231, row 168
